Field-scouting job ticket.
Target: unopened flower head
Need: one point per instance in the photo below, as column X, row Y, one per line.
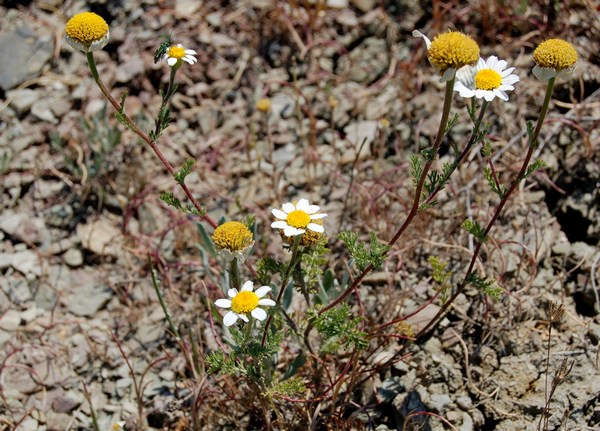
column 245, row 301
column 296, row 219
column 264, row 104
column 177, row 54
column 118, row 426
column 450, row 51
column 554, row 58
column 87, row 32
column 488, row 79
column 233, row 239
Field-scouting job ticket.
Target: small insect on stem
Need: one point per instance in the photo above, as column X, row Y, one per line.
column 162, row 49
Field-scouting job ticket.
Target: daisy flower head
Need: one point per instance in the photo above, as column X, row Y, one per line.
column 118, row 426
column 296, row 219
column 233, row 240
column 554, row 58
column 264, row 104
column 177, row 54
column 488, row 79
column 450, row 51
column 245, row 301
column 87, row 32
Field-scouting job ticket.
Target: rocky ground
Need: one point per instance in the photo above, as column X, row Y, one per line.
column 80, row 214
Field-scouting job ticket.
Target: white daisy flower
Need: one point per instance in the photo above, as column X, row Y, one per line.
column 296, row 219
column 487, row 79
column 177, row 53
column 118, row 426
column 245, row 301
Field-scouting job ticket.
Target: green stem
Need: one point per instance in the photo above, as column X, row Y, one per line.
column 532, row 143
column 418, row 194
column 284, row 282
column 235, row 274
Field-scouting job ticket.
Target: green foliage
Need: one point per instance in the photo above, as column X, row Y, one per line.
column 485, row 285
column 530, row 133
column 185, row 170
column 162, row 121
column 218, row 362
column 338, row 328
column 416, row 169
column 364, row 256
column 486, row 149
column 428, row 154
column 266, row 268
column 286, row 388
column 120, row 114
column 474, row 229
column 440, row 276
column 313, row 260
column 538, row 164
column 5, row 159
column 451, row 123
column 496, row 187
column 170, row 199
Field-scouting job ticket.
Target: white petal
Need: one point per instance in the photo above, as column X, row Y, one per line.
column 511, row 79
column 243, row 317
column 481, row 64
column 232, row 292
column 223, row 303
column 417, row 33
column 179, row 45
column 247, row 286
column 230, row 318
column 190, row 52
column 279, row 214
column 288, row 207
column 318, row 216
column 259, row 314
column 292, row 231
column 302, row 205
column 171, row 61
column 489, row 96
column 262, row 291
column 312, row 209
column 543, row 73
column 316, row 227
column 267, row 302
column 279, row 224
column 501, row 94
column 507, row 72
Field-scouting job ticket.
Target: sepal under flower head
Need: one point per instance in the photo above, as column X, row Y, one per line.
column 87, row 32
column 554, row 58
column 296, row 219
column 177, row 54
column 233, row 240
column 245, row 301
column 450, row 51
column 488, row 79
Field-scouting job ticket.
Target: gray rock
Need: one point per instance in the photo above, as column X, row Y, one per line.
column 24, row 227
column 87, row 299
column 24, row 54
column 367, row 62
column 73, row 257
column 129, row 69
column 41, row 110
column 67, row 402
column 100, row 237
column 22, row 100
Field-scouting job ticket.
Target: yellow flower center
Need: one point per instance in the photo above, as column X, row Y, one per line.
column 487, row 79
column 263, row 105
column 232, row 236
column 244, row 302
column 298, row 219
column 453, row 50
column 176, row 52
column 556, row 54
column 86, row 27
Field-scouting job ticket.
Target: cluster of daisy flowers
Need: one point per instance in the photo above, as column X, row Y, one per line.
column 233, row 240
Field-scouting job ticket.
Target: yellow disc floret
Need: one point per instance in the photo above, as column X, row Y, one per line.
column 487, row 79
column 298, row 219
column 233, row 236
column 87, row 27
column 555, row 54
column 176, row 51
column 453, row 50
column 263, row 105
column 244, row 302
